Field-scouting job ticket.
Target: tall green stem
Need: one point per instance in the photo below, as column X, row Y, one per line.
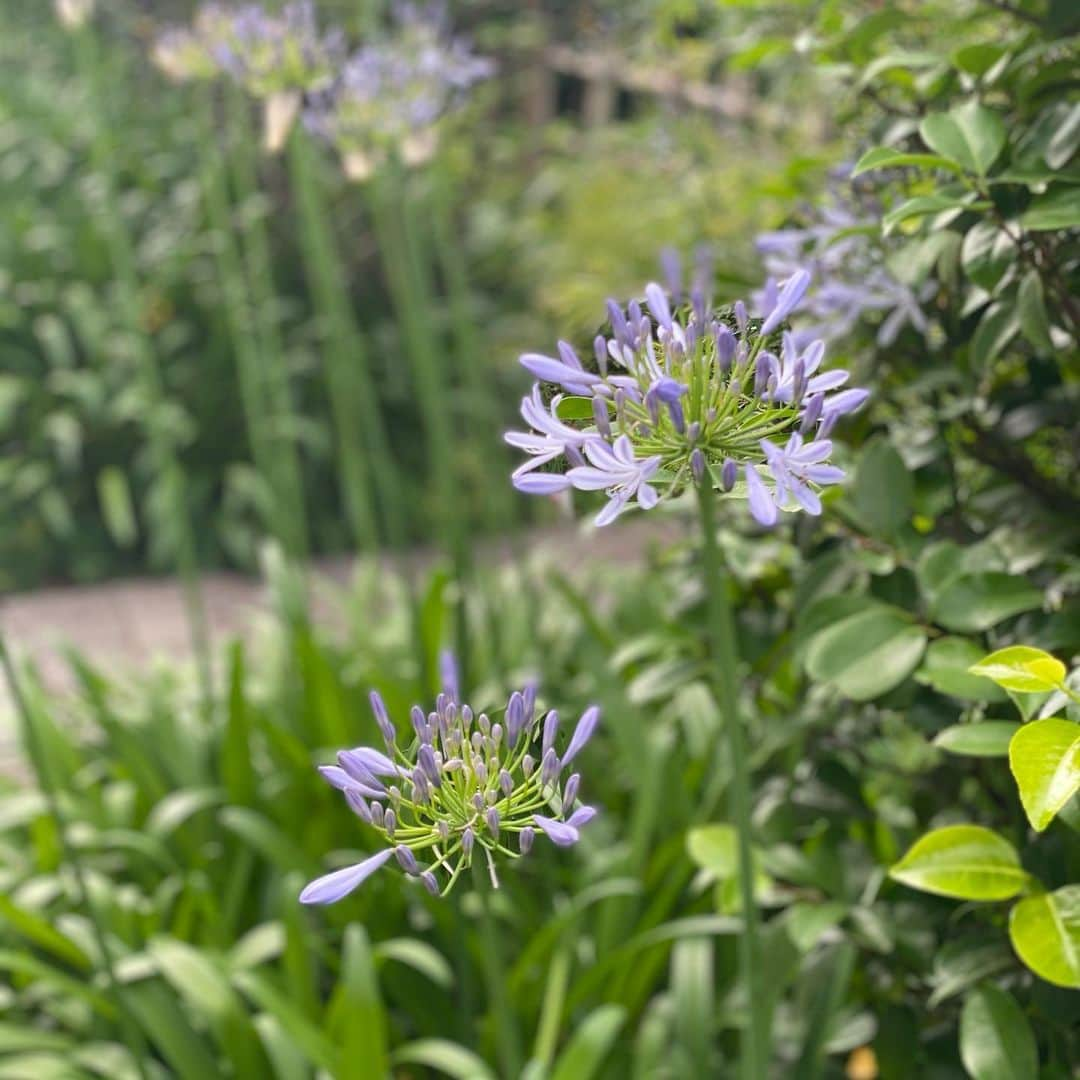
column 133, row 1035
column 162, row 451
column 402, row 252
column 271, row 372
column 507, row 1038
column 724, row 669
column 363, row 446
column 240, row 323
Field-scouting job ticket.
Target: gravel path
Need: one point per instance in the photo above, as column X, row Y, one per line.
column 125, row 626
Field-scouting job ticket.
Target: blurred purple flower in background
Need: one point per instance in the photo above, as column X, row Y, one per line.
column 839, row 247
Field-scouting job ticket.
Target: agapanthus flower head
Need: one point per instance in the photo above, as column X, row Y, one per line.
column 676, row 392
column 279, row 52
column 392, row 93
column 839, row 246
column 461, row 784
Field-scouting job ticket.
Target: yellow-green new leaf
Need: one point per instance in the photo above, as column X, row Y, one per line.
column 965, row 862
column 1021, row 668
column 1045, row 932
column 1045, row 760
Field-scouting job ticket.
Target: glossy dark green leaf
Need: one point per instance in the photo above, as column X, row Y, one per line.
column 996, row 1041
column 972, row 135
column 972, row 603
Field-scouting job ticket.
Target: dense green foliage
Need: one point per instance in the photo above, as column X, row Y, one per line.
column 904, row 661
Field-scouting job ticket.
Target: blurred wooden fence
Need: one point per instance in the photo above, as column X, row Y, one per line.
column 606, row 76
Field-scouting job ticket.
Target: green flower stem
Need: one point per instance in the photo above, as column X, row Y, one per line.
column 238, row 313
column 133, row 1035
column 724, row 668
column 366, row 463
column 507, row 1039
column 93, row 71
column 281, row 463
column 397, row 234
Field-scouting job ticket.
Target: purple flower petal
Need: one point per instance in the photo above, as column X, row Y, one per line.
column 558, row 832
column 762, row 505
column 581, row 817
column 542, row 483
column 582, row 733
column 787, row 301
column 330, row 888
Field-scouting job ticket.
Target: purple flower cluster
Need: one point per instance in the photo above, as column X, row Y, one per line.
column 464, row 783
column 839, row 248
column 679, row 391
column 392, row 92
column 268, row 54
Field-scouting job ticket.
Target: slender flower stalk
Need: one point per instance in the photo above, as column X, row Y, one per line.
column 163, row 451
column 461, row 788
column 724, row 672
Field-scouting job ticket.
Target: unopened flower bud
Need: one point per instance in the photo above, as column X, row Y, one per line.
column 492, row 819
column 528, row 763
column 390, row 822
column 467, row 840
column 377, row 815
column 697, row 465
column 551, row 729
column 484, row 724
column 729, row 473
column 407, row 859
column 506, row 782
column 525, row 839
column 430, row 883
column 601, row 417
column 570, row 790
column 549, row 768
column 812, row 413
column 443, row 829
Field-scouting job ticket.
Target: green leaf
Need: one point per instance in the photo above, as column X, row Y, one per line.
column 590, row 1044
column 987, row 739
column 922, row 205
column 1023, row 669
column 1059, row 208
column 418, row 955
column 356, row 1017
column 972, row 603
column 999, row 324
column 1045, row 760
column 39, row 931
column 883, row 488
column 971, row 135
column 1045, row 932
column 961, row 964
column 965, row 862
column 1066, row 139
column 866, row 654
column 114, row 497
column 1031, row 306
column 947, row 668
column 445, row 1056
column 996, row 1041
column 715, row 848
column 885, row 157
column 986, row 254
